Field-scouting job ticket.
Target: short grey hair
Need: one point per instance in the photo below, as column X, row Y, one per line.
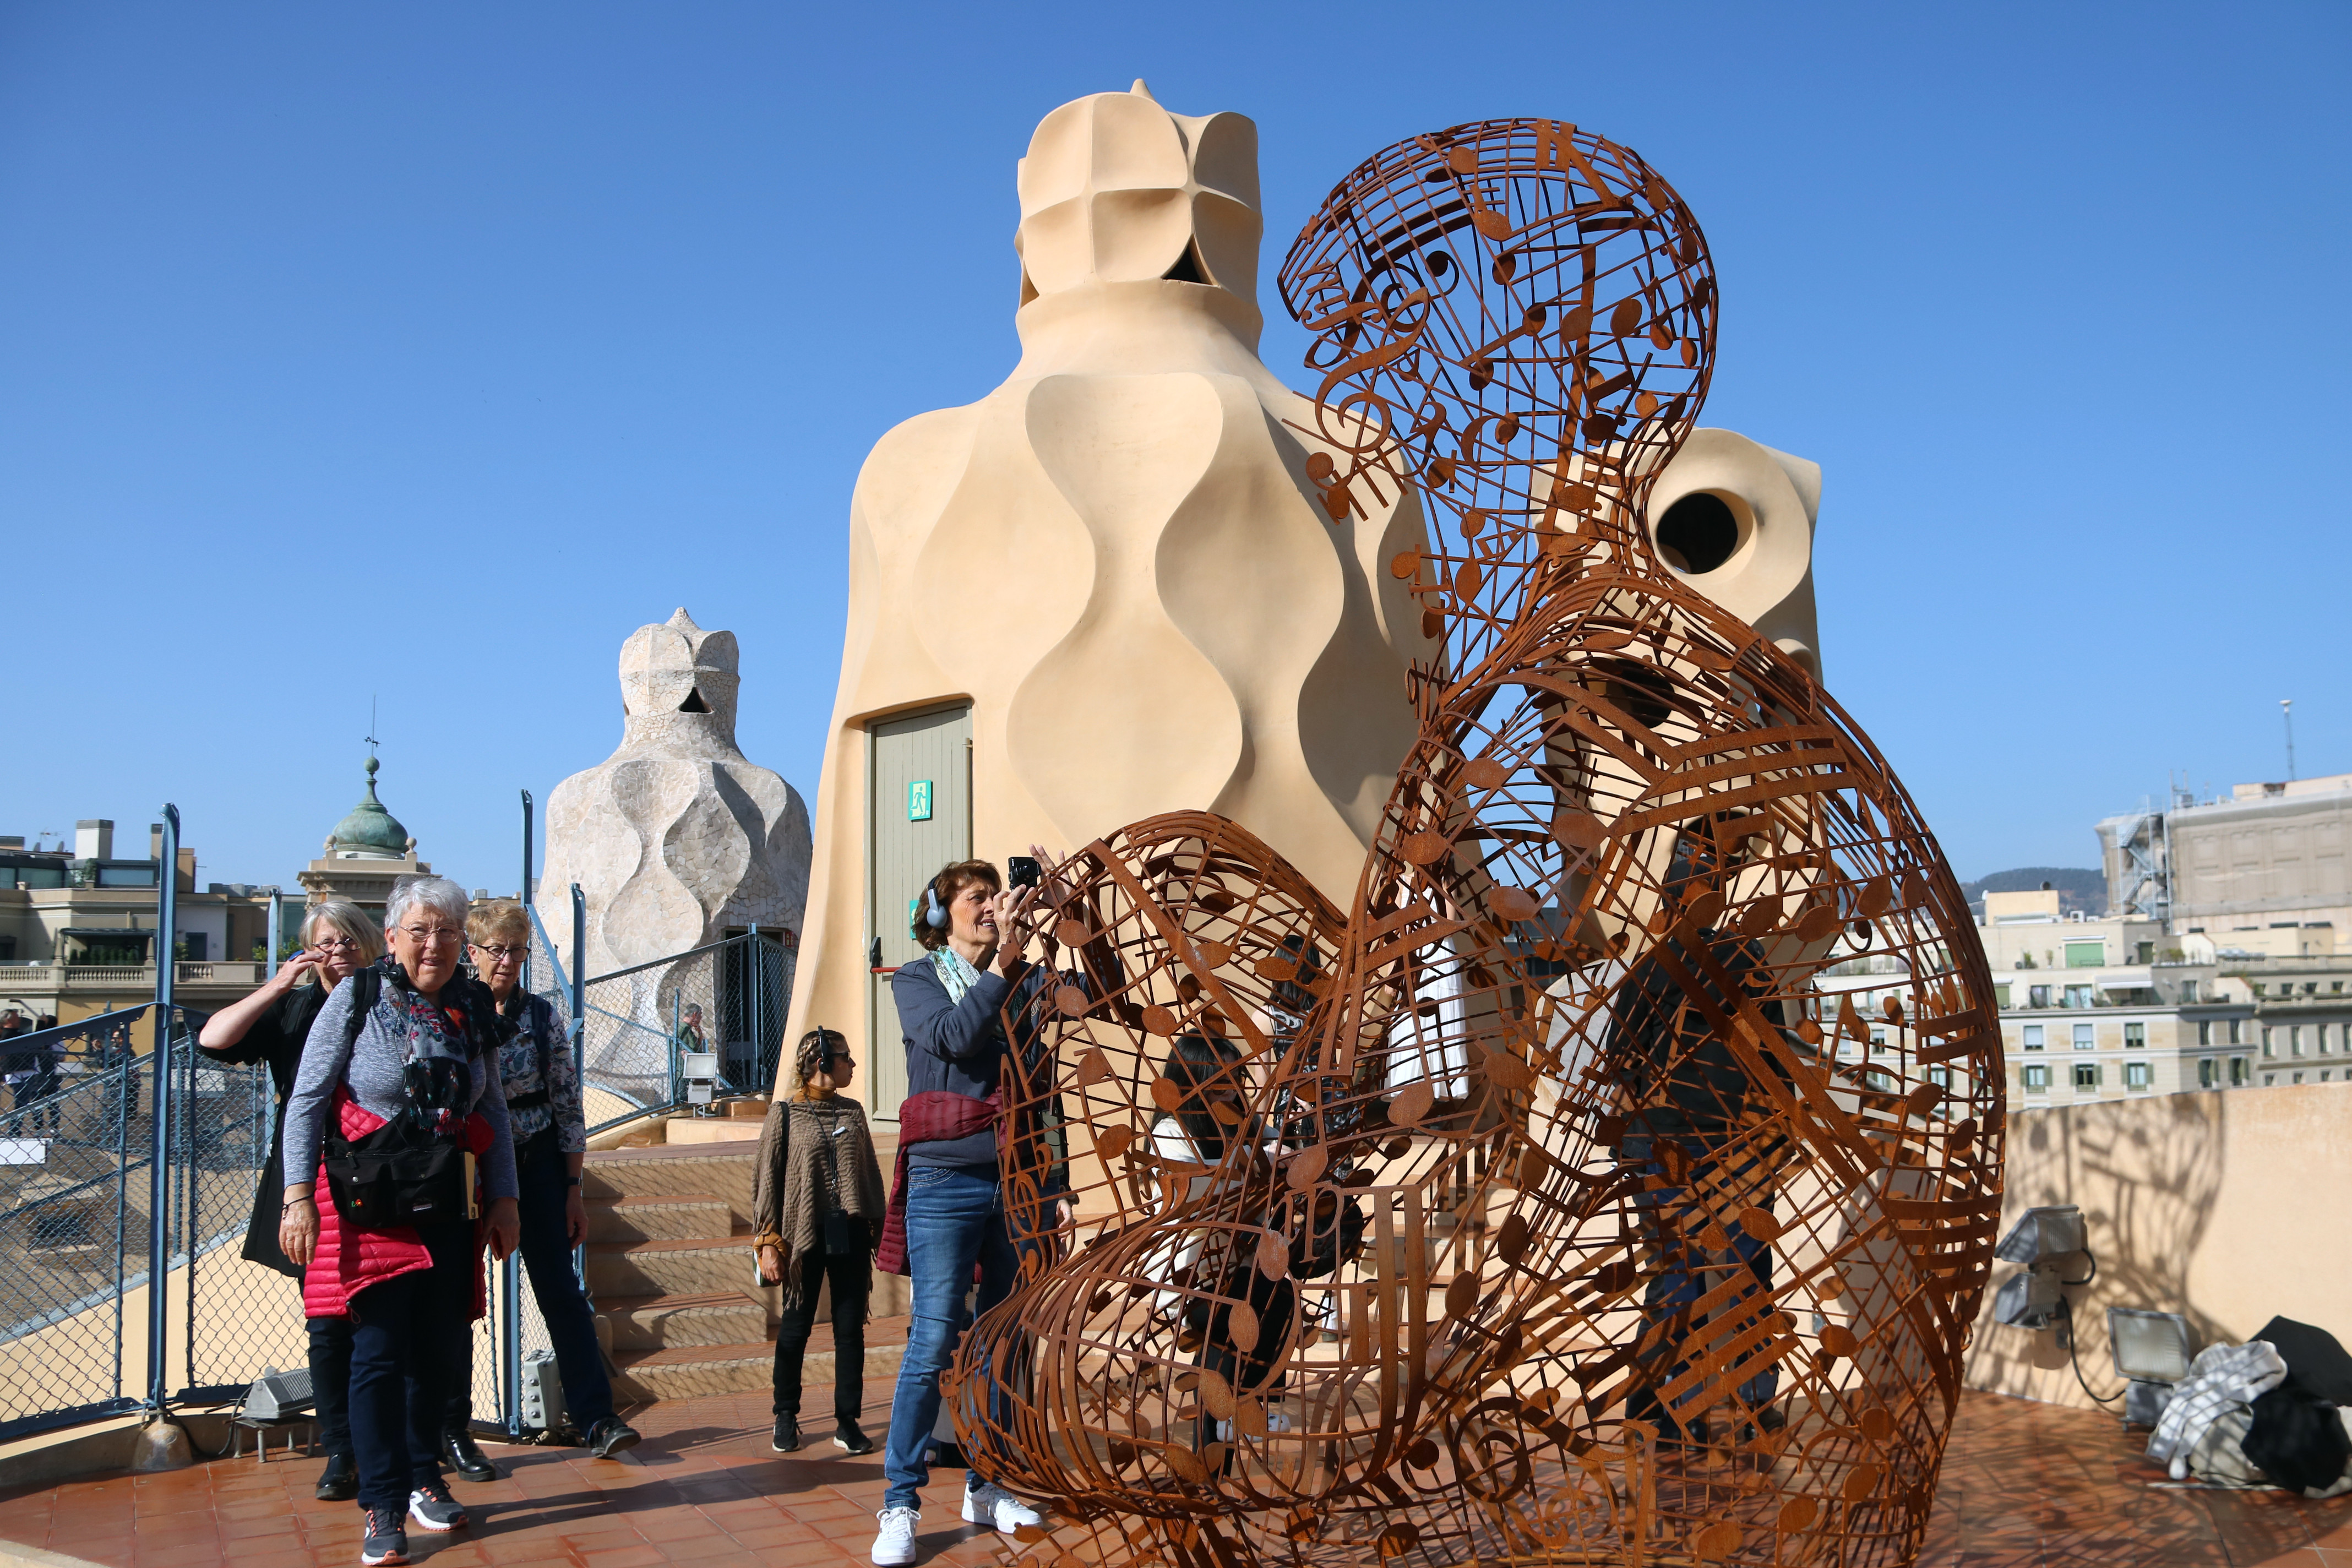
column 439, row 894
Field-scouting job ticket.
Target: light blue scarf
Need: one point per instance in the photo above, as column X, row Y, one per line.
column 955, row 972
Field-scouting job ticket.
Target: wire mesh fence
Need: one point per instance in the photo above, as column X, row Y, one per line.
column 726, row 1000
column 76, row 1163
column 74, row 1233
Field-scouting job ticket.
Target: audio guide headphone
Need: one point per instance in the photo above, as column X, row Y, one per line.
column 935, row 914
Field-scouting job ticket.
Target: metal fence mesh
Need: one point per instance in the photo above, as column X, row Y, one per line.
column 75, row 1168
column 75, row 1149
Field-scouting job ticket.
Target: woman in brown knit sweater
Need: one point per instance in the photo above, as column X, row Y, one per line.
column 818, row 1208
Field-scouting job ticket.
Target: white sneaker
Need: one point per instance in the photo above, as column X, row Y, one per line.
column 894, row 1544
column 990, row 1504
column 1276, row 1421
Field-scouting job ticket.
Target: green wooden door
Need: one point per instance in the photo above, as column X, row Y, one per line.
column 918, row 819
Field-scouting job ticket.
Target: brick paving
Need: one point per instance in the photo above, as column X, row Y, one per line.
column 2025, row 1485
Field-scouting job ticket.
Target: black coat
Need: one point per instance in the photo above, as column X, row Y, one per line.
column 276, row 1038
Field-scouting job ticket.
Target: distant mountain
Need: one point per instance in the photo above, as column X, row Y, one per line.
column 2078, row 887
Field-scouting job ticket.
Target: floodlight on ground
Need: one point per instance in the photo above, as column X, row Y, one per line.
column 698, row 1070
column 279, row 1395
column 2152, row 1352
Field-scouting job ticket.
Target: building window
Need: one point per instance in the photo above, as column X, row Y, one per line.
column 2189, row 991
column 2135, row 1034
column 2204, row 1031
column 2037, row 995
column 1940, row 1077
column 2298, row 1078
column 2270, row 1079
column 2078, row 996
column 2206, row 1075
column 2294, row 1039
column 1877, row 1042
column 2037, row 1077
column 2136, row 1075
column 2086, row 954
column 2234, row 1026
column 2083, row 1037
column 2237, row 1072
column 2266, row 1042
column 2086, row 1075
column 2033, row 1036
column 2319, row 1037
column 2257, row 987
column 2000, row 996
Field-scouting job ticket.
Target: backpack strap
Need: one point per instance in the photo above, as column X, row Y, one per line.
column 367, row 984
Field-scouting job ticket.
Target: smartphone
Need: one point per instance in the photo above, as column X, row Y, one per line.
column 1024, row 871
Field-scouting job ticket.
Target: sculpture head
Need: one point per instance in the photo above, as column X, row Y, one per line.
column 1117, row 191
column 678, row 689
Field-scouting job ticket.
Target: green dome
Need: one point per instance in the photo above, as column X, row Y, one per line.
column 369, row 830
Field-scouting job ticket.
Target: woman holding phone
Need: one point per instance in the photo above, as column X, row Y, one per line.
column 270, row 1027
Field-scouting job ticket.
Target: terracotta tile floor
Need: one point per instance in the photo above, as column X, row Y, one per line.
column 2025, row 1486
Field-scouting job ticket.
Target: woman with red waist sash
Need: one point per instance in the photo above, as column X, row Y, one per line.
column 947, row 1214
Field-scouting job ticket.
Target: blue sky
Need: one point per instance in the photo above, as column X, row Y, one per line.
column 423, row 352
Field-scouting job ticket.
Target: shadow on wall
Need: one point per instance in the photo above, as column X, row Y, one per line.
column 2222, row 1206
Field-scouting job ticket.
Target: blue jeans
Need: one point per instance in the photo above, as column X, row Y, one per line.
column 570, row 1321
column 955, row 1217
column 401, row 1345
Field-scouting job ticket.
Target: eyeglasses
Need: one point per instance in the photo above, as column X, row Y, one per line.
column 434, row 936
column 335, row 944
column 498, row 952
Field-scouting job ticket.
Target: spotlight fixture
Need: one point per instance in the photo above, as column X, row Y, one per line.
column 2034, row 1300
column 2152, row 1352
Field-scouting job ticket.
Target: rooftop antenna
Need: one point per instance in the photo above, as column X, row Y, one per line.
column 2286, row 711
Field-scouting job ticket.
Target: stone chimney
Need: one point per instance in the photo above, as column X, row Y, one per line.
column 94, row 840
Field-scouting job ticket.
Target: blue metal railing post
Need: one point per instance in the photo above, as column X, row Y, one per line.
column 579, row 1032
column 159, row 1173
column 510, row 1271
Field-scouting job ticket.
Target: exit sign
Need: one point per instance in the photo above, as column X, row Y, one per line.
column 919, row 801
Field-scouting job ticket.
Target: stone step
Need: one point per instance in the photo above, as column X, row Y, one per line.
column 692, row 1372
column 696, row 1130
column 713, row 1171
column 686, row 1216
column 692, row 1267
column 673, row 1322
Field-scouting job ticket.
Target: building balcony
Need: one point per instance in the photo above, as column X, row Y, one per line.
column 72, row 977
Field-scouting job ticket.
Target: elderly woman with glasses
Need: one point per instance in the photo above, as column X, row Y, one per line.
column 550, row 1140
column 409, row 1045
column 270, row 1027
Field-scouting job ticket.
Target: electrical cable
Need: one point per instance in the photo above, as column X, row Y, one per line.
column 2073, row 1341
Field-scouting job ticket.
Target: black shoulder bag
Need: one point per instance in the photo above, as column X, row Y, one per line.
column 403, row 1172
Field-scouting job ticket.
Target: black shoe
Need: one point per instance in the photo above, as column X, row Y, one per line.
column 1771, row 1418
column 611, row 1435
column 461, row 1454
column 851, row 1438
column 339, row 1481
column 787, row 1436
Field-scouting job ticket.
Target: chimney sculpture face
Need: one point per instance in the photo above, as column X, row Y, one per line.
column 1117, row 190
column 677, row 689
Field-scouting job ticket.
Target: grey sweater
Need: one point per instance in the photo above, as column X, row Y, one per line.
column 375, row 1068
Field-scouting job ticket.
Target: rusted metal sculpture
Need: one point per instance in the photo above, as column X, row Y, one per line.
column 1615, row 1181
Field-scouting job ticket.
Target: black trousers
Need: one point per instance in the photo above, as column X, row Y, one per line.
column 1252, row 1370
column 852, row 1275
column 331, row 1383
column 403, row 1345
